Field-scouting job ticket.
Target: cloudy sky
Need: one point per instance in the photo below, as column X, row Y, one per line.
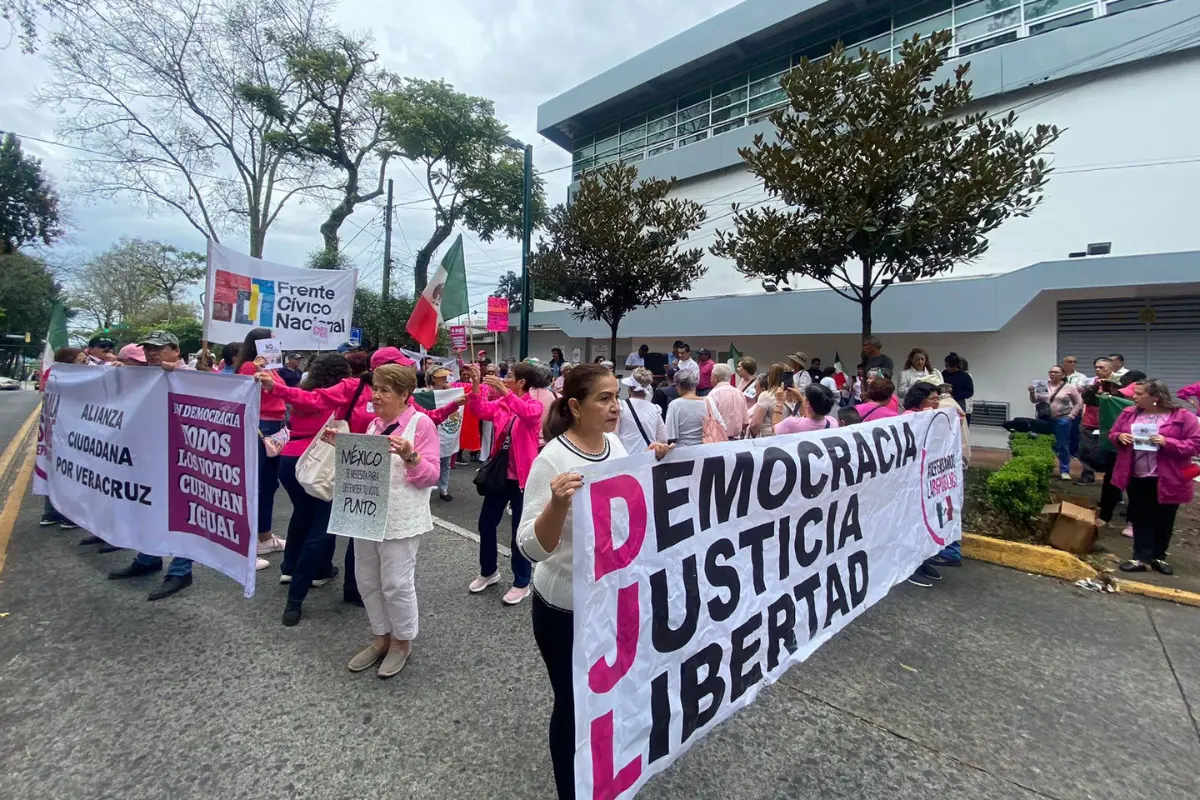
column 518, row 53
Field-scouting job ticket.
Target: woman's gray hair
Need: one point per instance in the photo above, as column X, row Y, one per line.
column 686, row 380
column 721, row 373
column 644, row 377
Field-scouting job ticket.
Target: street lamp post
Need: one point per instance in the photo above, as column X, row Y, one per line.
column 526, row 234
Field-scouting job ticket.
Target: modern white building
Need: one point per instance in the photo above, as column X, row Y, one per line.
column 1115, row 75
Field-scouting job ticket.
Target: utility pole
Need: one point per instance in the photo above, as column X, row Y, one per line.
column 526, row 283
column 386, row 294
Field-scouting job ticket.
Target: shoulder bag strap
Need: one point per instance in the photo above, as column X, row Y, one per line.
column 637, row 421
column 867, row 416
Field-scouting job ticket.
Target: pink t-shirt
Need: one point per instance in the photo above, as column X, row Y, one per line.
column 805, row 424
column 871, row 412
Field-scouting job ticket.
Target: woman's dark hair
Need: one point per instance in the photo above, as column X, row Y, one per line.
column 66, row 355
column 598, row 360
column 953, row 361
column 848, row 416
column 360, row 362
column 880, row 390
column 328, row 369
column 1133, row 376
column 556, row 354
column 819, row 398
column 229, row 353
column 918, row 393
column 528, row 373
column 578, row 386
column 249, row 350
column 908, row 363
column 829, row 372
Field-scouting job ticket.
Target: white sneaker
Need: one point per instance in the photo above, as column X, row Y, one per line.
column 1065, row 476
column 285, row 578
column 261, row 564
column 483, row 582
column 272, row 545
column 515, row 595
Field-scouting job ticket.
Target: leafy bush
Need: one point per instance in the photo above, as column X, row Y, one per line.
column 1021, row 488
column 1024, row 444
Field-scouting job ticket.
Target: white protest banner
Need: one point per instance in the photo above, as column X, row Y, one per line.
column 161, row 462
column 244, row 293
column 271, row 350
column 361, row 485
column 701, row 578
column 449, row 363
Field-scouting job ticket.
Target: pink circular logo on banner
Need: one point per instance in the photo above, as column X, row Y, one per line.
column 939, row 482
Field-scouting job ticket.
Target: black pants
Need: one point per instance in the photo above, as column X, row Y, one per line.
column 554, row 632
column 1110, row 495
column 1152, row 521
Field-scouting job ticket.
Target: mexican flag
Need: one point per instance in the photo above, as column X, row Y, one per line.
column 56, row 338
column 840, row 377
column 445, row 297
column 448, row 431
column 734, row 357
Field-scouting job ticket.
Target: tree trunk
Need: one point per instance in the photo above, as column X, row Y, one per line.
column 612, row 342
column 865, row 304
column 339, row 213
column 421, row 267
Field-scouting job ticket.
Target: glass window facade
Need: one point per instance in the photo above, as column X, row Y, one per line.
column 749, row 96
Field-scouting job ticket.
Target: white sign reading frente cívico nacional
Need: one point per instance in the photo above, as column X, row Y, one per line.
column 306, row 309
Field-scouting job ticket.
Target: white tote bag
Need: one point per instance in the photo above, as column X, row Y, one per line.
column 315, row 469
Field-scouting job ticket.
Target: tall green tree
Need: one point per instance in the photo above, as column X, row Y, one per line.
column 383, row 323
column 510, row 286
column 28, row 292
column 618, row 246
column 880, row 175
column 28, row 203
column 473, row 179
column 136, row 281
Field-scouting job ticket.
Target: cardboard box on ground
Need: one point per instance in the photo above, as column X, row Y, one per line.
column 1074, row 527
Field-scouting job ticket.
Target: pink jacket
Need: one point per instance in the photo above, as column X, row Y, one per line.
column 311, row 410
column 527, row 411
column 1182, row 434
column 425, row 442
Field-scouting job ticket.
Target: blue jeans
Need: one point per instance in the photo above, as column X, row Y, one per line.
column 308, row 552
column 178, row 568
column 268, row 475
column 490, row 516
column 1062, row 443
column 444, row 475
column 952, row 551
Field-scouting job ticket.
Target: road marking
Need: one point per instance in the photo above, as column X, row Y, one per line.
column 450, row 527
column 12, row 506
column 18, row 441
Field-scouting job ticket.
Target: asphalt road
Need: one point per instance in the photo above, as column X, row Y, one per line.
column 994, row 684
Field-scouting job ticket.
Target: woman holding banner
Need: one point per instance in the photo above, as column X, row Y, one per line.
column 386, row 569
column 579, row 430
column 271, row 412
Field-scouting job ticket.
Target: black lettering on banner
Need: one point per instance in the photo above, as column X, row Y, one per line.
column 754, row 539
column 860, row 577
column 714, row 487
column 692, row 690
column 660, row 717
column 866, row 459
column 806, row 590
column 885, row 461
column 785, row 549
column 781, row 629
column 839, row 460
column 742, row 652
column 771, row 457
column 851, row 529
column 830, row 523
column 722, row 577
column 808, row 451
column 910, row 445
column 835, row 594
column 804, row 557
column 665, row 638
column 666, row 501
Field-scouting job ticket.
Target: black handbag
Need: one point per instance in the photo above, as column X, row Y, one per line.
column 492, row 478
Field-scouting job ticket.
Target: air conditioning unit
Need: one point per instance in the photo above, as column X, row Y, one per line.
column 989, row 414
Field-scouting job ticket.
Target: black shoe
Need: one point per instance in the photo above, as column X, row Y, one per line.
column 929, row 572
column 1158, row 565
column 170, row 585
column 446, row 498
column 67, row 525
column 1132, row 565
column 134, row 570
column 917, row 579
column 1085, row 481
column 291, row 614
column 942, row 561
column 108, row 548
column 91, row 540
column 323, row 581
column 353, row 599
column 48, row 521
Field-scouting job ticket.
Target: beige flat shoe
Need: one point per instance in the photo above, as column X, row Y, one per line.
column 366, row 659
column 393, row 663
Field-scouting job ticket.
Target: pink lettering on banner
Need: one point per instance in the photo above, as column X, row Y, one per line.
column 207, row 471
column 603, row 493
column 606, row 783
column 602, row 677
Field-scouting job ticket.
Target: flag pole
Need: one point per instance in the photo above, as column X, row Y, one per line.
column 471, row 333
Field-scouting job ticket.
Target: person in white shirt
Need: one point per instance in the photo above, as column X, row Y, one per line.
column 1118, row 365
column 638, row 359
column 1074, row 376
column 580, row 430
column 641, row 422
column 685, row 416
column 800, row 374
column 686, row 363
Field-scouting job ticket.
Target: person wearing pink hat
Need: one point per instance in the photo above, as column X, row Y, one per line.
column 390, row 355
column 132, row 355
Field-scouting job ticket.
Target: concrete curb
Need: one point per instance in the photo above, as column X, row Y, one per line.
column 1058, row 564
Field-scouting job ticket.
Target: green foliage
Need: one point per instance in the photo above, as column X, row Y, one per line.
column 1021, row 488
column 27, row 295
column 876, row 164
column 617, row 246
column 471, row 176
column 1024, row 444
column 136, row 281
column 385, row 326
column 28, row 204
column 510, row 286
column 327, row 259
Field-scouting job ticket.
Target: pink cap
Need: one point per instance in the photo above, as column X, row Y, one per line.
column 132, row 352
column 1127, row 391
column 390, row 355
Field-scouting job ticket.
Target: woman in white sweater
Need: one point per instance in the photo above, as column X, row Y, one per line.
column 579, row 431
column 916, row 368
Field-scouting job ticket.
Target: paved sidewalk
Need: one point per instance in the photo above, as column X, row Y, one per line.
column 994, row 684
